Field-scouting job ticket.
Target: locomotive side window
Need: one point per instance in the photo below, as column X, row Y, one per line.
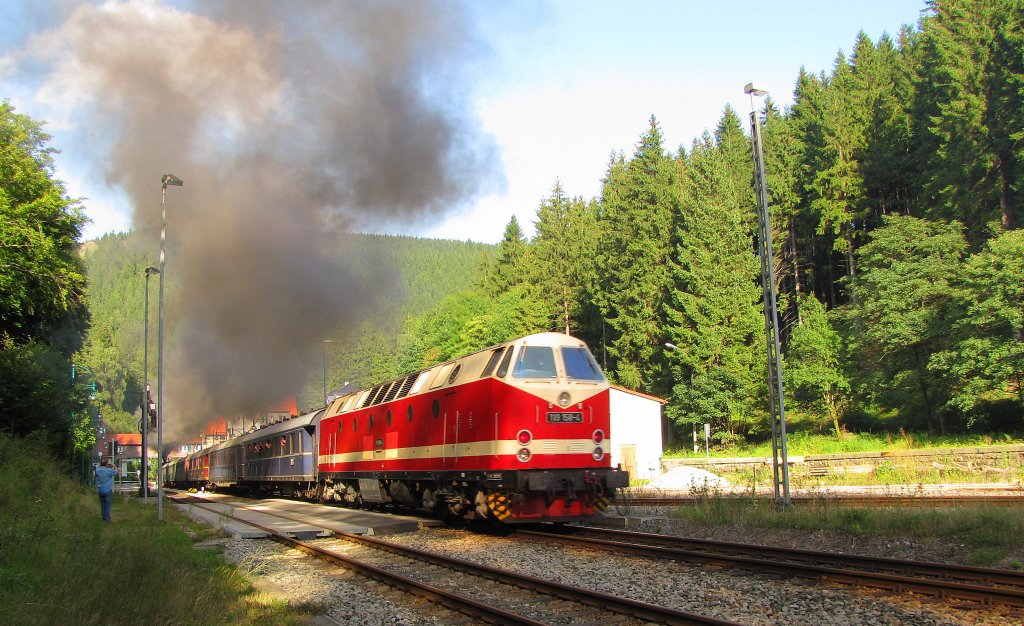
column 505, row 363
column 420, row 381
column 535, row 362
column 580, row 364
column 442, row 375
column 454, row 374
column 492, row 363
column 362, row 399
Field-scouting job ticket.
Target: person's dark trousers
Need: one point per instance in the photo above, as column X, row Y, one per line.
column 105, row 501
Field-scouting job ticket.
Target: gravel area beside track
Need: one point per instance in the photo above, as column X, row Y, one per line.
column 735, row 595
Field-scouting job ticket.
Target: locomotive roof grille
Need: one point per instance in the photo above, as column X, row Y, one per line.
column 407, row 384
column 379, row 395
column 392, row 391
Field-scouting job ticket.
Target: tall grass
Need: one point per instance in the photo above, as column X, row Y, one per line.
column 61, row 564
column 804, row 443
column 990, row 533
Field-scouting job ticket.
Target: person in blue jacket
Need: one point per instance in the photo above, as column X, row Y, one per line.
column 105, row 487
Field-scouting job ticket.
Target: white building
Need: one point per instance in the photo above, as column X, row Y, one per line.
column 636, row 432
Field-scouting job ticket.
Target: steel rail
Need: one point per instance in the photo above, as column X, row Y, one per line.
column 927, row 578
column 465, row 605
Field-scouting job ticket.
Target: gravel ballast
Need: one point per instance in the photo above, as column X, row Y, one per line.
column 732, row 594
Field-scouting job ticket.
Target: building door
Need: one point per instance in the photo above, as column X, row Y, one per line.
column 627, row 451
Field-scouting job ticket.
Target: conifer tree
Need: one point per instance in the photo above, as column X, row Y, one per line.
column 964, row 112
column 712, row 309
column 638, row 201
column 563, row 254
column 510, row 264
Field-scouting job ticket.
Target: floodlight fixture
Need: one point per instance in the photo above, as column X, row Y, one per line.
column 754, row 89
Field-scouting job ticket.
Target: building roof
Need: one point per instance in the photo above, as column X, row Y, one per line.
column 639, row 394
column 127, row 439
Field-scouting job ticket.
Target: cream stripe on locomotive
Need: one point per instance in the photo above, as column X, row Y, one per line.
column 476, row 448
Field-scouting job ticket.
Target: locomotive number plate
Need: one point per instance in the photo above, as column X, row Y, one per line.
column 565, row 418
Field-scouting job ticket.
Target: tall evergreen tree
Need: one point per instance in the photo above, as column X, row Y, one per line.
column 966, row 136
column 510, row 265
column 712, row 310
column 638, row 201
column 563, row 255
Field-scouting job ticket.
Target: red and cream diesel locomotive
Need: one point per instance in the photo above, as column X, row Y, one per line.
column 518, row 432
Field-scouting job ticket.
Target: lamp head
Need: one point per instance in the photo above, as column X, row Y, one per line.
column 171, row 179
column 755, row 89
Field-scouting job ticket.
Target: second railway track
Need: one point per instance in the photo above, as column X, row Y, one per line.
column 984, row 586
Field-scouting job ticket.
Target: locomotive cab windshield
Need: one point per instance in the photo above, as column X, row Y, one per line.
column 539, row 362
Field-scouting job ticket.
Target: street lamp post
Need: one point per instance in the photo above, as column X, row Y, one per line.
column 771, row 309
column 326, row 341
column 167, row 179
column 145, row 403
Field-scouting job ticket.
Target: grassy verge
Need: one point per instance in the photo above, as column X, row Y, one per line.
column 991, row 533
column 804, row 443
column 60, row 564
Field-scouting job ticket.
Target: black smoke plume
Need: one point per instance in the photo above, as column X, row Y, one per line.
column 288, row 122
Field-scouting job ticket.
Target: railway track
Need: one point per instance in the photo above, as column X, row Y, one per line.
column 983, row 586
column 842, row 500
column 490, row 594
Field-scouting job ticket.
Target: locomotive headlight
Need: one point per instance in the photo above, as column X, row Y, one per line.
column 564, row 400
column 524, row 455
column 524, row 437
column 598, row 436
column 598, row 454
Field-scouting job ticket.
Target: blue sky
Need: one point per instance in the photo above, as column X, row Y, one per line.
column 566, row 83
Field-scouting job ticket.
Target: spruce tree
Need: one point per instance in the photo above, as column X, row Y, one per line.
column 712, row 310
column 639, row 199
column 562, row 257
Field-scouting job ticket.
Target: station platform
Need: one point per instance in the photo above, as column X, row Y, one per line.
column 301, row 520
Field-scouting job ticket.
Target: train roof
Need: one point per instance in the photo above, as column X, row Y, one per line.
column 295, row 423
column 302, row 421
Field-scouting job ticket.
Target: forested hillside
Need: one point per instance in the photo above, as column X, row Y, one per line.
column 895, row 183
column 430, row 271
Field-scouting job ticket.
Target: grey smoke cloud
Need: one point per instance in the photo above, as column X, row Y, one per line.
column 289, row 122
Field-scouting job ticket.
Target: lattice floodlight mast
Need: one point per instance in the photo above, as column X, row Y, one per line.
column 780, row 457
